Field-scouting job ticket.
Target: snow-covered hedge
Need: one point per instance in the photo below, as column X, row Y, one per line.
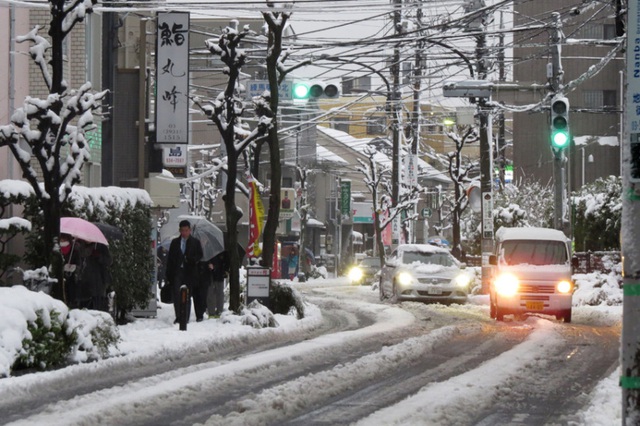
column 38, row 331
column 129, row 210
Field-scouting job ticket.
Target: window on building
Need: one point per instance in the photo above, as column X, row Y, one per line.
column 376, row 125
column 597, row 32
column 599, row 99
column 340, row 123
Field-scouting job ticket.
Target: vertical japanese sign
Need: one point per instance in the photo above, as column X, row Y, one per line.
column 172, row 78
column 632, row 115
column 345, row 200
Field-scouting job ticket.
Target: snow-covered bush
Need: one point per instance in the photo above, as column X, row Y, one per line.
column 598, row 289
column 257, row 316
column 48, row 343
column 38, row 331
column 285, row 299
column 95, row 332
column 523, row 204
column 598, row 211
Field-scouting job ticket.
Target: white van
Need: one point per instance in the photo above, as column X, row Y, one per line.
column 531, row 272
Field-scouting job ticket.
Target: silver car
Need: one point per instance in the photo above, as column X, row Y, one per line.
column 424, row 273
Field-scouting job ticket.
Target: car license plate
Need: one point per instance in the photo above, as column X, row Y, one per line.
column 535, row 306
column 434, row 290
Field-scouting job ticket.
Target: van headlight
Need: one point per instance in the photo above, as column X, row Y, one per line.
column 507, row 285
column 404, row 278
column 355, row 274
column 462, row 280
column 564, row 287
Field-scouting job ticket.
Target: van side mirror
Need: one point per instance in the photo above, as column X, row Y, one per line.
column 493, row 259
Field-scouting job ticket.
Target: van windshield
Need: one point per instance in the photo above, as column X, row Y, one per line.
column 534, row 252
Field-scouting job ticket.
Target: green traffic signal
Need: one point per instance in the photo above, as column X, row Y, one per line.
column 301, row 91
column 560, row 137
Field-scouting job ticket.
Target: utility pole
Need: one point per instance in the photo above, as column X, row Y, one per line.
column 500, row 151
column 486, row 150
column 417, row 113
column 395, row 119
column 559, row 159
column 142, row 98
column 630, row 142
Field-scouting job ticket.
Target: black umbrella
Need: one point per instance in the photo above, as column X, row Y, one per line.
column 112, row 233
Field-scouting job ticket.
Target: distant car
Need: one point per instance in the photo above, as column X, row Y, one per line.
column 425, row 273
column 365, row 271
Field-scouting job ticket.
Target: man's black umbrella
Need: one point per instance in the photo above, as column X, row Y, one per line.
column 112, row 233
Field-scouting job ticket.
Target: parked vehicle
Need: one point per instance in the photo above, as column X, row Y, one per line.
column 426, row 273
column 365, row 271
column 531, row 272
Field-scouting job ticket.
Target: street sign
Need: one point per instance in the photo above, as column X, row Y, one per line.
column 467, row 89
column 426, row 212
column 345, row 200
column 258, row 87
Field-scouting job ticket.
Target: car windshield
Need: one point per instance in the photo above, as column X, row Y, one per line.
column 442, row 259
column 530, row 252
column 370, row 261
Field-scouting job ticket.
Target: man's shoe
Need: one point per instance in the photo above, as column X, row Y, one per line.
column 176, row 321
column 199, row 319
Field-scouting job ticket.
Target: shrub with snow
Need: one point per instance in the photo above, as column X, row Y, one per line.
column 38, row 331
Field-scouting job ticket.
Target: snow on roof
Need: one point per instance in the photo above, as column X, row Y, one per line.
column 325, row 155
column 345, row 138
column 597, row 140
column 357, row 144
column 531, row 233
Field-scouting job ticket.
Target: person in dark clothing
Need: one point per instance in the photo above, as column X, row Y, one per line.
column 219, row 268
column 201, row 288
column 94, row 277
column 185, row 252
column 71, row 260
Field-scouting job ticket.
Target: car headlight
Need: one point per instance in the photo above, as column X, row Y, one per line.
column 462, row 280
column 506, row 285
column 404, row 278
column 355, row 274
column 564, row 287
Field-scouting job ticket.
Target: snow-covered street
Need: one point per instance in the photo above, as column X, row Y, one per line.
column 352, row 360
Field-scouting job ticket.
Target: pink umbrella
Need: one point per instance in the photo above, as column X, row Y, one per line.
column 82, row 229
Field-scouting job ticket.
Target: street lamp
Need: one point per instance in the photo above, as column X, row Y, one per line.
column 589, row 159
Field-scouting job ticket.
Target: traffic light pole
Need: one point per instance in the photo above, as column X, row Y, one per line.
column 559, row 159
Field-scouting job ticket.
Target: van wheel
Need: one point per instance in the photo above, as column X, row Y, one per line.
column 381, row 292
column 566, row 315
column 492, row 309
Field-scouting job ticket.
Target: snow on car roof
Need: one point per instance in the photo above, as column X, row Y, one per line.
column 531, row 233
column 424, row 248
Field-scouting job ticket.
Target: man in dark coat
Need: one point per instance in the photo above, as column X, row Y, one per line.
column 185, row 252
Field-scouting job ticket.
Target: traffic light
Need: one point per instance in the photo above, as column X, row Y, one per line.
column 314, row 89
column 560, row 137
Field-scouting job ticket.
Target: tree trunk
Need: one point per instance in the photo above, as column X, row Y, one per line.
column 233, row 215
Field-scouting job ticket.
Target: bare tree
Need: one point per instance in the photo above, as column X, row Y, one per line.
column 226, row 112
column 47, row 136
column 459, row 171
column 377, row 178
